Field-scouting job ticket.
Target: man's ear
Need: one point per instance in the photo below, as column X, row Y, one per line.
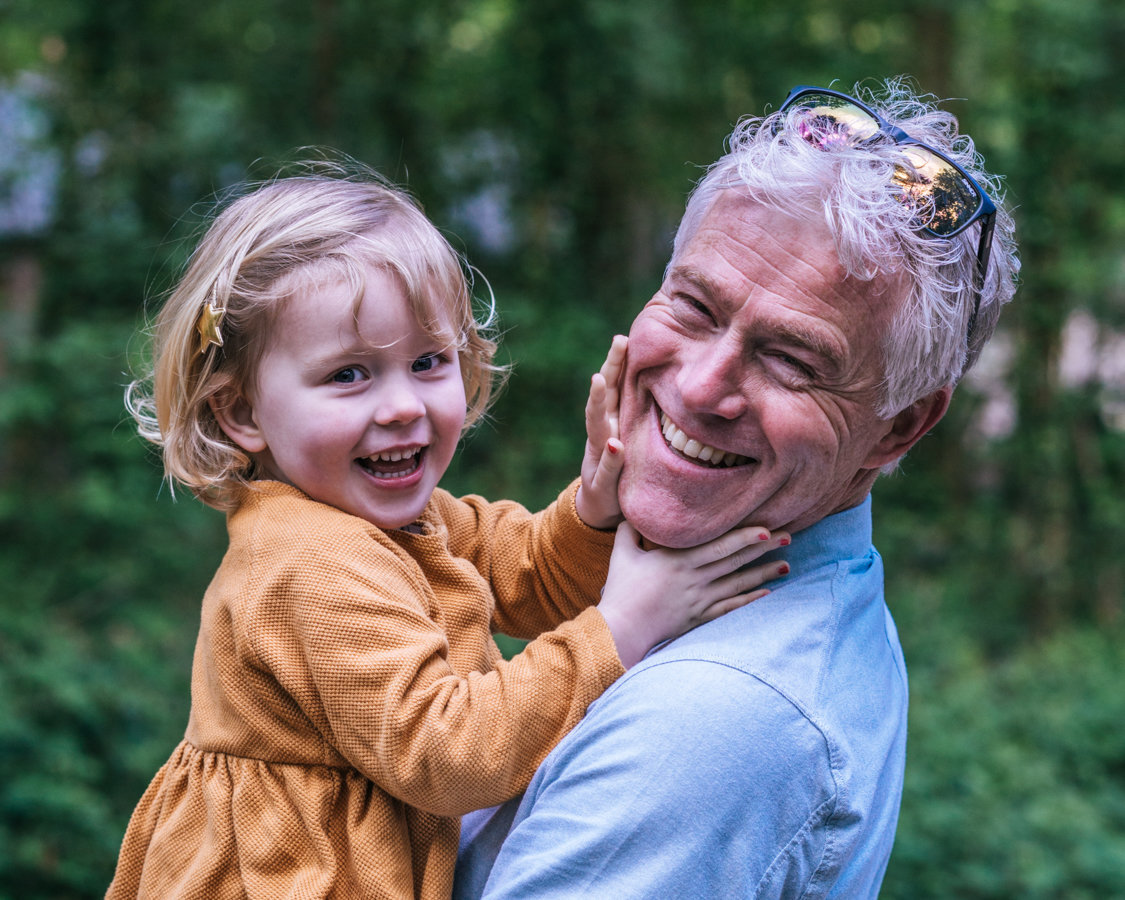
column 907, row 428
column 235, row 416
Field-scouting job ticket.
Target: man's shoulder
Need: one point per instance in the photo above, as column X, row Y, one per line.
column 787, row 639
column 676, row 707
column 692, row 755
column 829, row 654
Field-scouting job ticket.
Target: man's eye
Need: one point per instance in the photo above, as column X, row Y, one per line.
column 426, row 363
column 695, row 306
column 794, row 365
column 350, row 375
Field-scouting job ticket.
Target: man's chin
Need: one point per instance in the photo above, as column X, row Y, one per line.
column 670, row 525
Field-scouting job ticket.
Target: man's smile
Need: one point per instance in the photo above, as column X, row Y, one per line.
column 695, row 450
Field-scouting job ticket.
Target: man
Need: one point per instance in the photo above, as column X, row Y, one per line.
column 829, row 285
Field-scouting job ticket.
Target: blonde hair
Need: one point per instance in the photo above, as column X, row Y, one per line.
column 330, row 221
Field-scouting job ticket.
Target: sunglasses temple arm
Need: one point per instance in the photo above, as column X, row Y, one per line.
column 984, row 254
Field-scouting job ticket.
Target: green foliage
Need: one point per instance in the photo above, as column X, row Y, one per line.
column 1016, row 777
column 100, row 607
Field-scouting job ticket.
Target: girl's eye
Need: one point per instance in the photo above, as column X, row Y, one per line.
column 426, row 363
column 350, row 375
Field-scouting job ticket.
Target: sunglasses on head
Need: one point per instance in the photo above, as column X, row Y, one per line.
column 947, row 198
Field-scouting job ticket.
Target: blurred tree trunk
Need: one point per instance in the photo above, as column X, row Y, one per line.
column 21, row 284
column 934, row 29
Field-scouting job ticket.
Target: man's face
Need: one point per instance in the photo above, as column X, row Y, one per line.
column 752, row 380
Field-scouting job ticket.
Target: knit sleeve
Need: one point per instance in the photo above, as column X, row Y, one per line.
column 349, row 634
column 544, row 568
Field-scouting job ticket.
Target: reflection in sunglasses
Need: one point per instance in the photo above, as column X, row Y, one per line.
column 944, row 199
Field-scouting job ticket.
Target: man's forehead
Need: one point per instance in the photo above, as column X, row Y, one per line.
column 743, row 246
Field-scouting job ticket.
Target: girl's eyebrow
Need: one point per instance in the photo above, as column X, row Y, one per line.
column 322, row 362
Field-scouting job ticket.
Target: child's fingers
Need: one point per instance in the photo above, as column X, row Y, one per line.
column 722, row 607
column 615, row 362
column 615, row 359
column 598, row 428
column 751, row 552
column 747, row 579
column 600, row 492
column 627, row 534
column 733, row 549
column 626, row 540
column 609, row 467
column 610, row 372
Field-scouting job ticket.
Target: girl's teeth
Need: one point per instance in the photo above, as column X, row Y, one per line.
column 394, row 455
column 392, row 464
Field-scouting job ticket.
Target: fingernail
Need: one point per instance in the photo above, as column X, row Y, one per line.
column 612, row 449
column 783, row 569
column 784, row 542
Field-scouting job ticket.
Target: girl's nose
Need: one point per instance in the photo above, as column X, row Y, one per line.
column 398, row 403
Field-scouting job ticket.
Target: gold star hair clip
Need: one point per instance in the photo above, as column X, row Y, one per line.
column 208, row 326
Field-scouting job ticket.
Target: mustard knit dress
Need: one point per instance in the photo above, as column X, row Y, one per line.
column 349, row 703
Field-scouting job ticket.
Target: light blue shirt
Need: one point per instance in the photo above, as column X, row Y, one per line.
column 760, row 755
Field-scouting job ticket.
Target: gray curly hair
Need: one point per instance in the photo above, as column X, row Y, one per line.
column 935, row 338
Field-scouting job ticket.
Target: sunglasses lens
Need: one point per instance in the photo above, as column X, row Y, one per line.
column 947, row 200
column 828, row 120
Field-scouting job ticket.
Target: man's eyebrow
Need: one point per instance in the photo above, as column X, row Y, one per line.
column 813, row 340
column 697, row 278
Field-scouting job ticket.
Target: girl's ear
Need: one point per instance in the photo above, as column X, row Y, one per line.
column 235, row 416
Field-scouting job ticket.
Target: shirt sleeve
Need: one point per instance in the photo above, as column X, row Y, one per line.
column 690, row 779
column 348, row 637
column 544, row 568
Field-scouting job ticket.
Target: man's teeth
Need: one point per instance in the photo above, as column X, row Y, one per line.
column 692, row 448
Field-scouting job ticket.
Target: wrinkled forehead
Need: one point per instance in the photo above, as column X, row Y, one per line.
column 770, row 277
column 748, row 245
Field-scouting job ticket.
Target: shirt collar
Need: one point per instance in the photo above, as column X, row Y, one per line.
column 842, row 535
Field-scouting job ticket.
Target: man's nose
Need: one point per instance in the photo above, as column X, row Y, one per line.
column 398, row 402
column 714, row 381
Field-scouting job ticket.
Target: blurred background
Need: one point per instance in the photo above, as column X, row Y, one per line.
column 555, row 143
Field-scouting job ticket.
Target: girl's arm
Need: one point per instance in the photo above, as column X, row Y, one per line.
column 547, row 568
column 382, row 664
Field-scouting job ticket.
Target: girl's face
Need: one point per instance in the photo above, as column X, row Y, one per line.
column 361, row 410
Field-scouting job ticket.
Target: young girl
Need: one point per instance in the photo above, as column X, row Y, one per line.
column 313, row 373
